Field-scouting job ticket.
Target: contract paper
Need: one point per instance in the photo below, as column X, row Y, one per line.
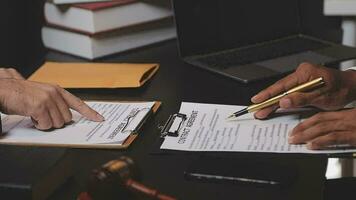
column 121, row 119
column 207, row 129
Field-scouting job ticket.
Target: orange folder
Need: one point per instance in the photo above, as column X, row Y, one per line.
column 95, row 75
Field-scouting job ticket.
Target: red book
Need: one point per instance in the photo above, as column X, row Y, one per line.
column 103, row 5
column 93, row 18
column 59, row 2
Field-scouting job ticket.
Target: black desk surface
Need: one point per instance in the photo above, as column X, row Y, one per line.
column 174, row 83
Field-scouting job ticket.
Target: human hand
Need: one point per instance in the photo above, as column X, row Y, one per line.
column 47, row 105
column 10, row 73
column 326, row 129
column 338, row 90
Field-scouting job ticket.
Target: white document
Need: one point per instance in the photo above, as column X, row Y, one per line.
column 206, row 129
column 121, row 119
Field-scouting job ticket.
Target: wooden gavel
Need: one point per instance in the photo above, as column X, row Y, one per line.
column 114, row 181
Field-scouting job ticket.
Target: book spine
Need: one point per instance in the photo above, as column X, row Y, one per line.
column 90, row 22
column 106, row 32
column 59, row 2
column 93, row 48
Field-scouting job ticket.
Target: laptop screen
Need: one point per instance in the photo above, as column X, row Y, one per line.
column 206, row 26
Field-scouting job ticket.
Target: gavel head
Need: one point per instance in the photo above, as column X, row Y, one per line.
column 108, row 182
column 121, row 168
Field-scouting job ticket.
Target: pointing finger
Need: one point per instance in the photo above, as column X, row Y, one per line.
column 78, row 105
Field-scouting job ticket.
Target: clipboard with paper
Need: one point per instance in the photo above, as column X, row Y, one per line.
column 200, row 127
column 121, row 127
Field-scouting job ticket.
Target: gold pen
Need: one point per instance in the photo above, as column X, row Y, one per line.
column 274, row 100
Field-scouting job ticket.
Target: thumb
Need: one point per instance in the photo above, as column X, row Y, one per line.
column 296, row 100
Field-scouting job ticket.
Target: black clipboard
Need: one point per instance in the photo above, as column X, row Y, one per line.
column 170, row 128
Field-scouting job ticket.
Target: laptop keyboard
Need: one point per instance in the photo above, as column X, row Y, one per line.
column 259, row 53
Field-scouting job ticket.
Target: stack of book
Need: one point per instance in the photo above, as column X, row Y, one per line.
column 93, row 30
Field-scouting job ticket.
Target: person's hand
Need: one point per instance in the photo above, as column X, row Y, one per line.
column 339, row 90
column 326, row 129
column 47, row 105
column 10, row 73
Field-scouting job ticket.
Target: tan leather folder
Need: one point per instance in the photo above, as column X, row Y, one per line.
column 95, row 75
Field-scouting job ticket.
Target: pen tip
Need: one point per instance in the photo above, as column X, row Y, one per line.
column 230, row 117
column 238, row 113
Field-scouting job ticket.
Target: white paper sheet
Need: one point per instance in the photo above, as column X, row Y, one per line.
column 206, row 129
column 82, row 131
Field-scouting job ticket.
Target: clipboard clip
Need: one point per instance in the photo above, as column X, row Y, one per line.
column 173, row 125
column 130, row 118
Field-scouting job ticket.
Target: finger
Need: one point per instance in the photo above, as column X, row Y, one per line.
column 56, row 115
column 15, row 74
column 315, row 131
column 77, row 104
column 315, row 119
column 62, row 105
column 42, row 120
column 56, row 101
column 64, row 109
column 277, row 88
column 334, row 138
column 264, row 113
column 298, row 99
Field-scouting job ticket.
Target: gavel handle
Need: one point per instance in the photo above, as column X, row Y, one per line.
column 84, row 196
column 134, row 185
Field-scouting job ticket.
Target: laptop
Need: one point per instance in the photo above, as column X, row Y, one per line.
column 249, row 40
